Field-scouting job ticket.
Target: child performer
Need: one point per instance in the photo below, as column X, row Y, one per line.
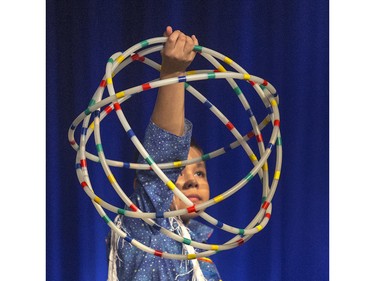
column 167, row 139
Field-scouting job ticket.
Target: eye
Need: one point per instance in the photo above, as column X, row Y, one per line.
column 200, row 174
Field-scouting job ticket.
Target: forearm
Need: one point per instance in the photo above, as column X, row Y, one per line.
column 169, row 110
column 177, row 54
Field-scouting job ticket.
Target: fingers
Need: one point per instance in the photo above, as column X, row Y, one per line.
column 195, row 40
column 178, row 52
column 179, row 39
column 189, row 44
column 168, row 31
column 173, row 38
column 179, row 42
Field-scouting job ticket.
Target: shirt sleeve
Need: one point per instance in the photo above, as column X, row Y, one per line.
column 163, row 147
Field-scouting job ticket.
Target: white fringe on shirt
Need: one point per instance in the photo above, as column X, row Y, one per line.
column 181, row 229
column 113, row 256
column 197, row 272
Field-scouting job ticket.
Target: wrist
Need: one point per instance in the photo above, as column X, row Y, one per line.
column 165, row 75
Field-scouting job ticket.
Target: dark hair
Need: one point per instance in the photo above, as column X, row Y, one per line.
column 193, row 143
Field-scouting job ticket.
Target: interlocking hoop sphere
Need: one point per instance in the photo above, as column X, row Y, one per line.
column 95, row 114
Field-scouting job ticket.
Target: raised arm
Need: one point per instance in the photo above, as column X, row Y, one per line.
column 177, row 54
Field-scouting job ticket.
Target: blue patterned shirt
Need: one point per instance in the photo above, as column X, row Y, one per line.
column 151, row 195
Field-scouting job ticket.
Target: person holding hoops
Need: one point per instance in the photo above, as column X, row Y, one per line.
column 167, row 139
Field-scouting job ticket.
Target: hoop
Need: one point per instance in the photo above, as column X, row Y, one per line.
column 264, row 89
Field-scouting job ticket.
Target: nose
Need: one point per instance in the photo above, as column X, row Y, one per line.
column 190, row 181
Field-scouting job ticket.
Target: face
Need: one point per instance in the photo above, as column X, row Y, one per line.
column 193, row 184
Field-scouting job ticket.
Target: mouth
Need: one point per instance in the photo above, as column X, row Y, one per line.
column 194, row 197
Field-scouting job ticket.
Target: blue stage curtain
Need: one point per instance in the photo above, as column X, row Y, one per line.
column 284, row 42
